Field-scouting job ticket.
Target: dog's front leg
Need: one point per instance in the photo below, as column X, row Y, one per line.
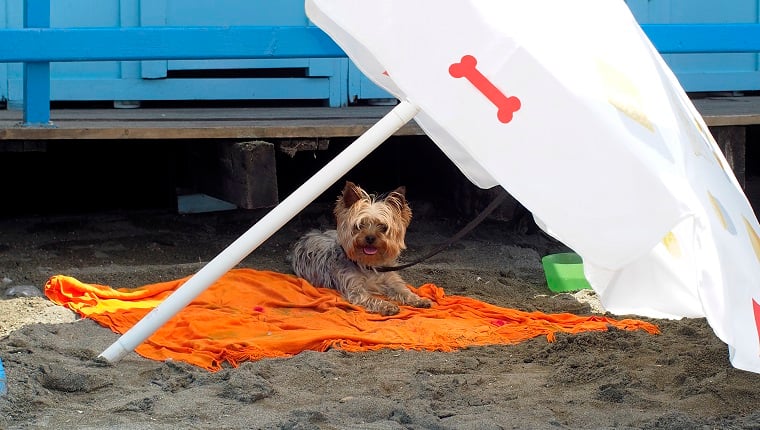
column 354, row 289
column 397, row 290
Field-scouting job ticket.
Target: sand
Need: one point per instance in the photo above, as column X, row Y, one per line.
column 679, row 379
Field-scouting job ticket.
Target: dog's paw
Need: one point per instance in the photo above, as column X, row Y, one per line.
column 387, row 309
column 422, row 303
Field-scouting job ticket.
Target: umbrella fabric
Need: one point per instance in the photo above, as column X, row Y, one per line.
column 568, row 106
column 249, row 315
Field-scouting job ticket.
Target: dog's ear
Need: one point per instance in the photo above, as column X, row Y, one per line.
column 400, row 191
column 351, row 194
column 397, row 198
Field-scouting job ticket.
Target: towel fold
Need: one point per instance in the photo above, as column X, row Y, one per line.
column 249, row 314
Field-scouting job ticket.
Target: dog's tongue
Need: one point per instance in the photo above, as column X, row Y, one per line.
column 370, row 250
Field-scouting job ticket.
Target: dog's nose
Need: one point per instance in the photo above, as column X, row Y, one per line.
column 369, row 240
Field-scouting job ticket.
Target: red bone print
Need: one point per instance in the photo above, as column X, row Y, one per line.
column 507, row 106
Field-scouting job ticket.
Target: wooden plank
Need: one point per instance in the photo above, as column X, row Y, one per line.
column 242, row 173
column 164, row 43
column 732, row 141
column 721, row 111
column 220, row 113
column 270, row 123
column 204, row 123
column 248, row 174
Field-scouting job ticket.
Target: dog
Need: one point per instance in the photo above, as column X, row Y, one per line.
column 370, row 234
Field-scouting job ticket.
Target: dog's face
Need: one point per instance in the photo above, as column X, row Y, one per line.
column 371, row 229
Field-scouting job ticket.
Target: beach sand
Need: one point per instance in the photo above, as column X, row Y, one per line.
column 679, row 379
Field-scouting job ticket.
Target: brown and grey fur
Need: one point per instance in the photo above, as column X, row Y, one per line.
column 370, row 233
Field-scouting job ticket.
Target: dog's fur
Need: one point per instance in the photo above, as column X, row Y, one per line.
column 370, row 233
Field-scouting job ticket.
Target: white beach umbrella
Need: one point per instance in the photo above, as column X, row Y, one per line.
column 567, row 105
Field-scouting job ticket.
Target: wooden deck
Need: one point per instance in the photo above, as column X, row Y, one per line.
column 270, row 123
column 200, row 123
column 729, row 111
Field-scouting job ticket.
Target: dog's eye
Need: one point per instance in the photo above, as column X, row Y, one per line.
column 382, row 228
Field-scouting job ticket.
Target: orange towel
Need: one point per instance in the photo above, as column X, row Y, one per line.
column 249, row 314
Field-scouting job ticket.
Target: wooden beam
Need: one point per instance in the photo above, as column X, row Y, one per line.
column 204, row 123
column 163, row 43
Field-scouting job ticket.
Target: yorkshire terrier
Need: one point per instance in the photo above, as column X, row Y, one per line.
column 370, row 234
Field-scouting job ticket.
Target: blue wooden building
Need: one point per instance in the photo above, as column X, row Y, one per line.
column 333, row 81
column 323, row 81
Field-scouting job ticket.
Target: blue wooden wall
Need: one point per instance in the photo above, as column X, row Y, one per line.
column 318, row 79
column 331, row 81
column 706, row 72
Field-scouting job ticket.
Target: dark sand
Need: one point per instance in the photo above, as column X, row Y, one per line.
column 680, row 379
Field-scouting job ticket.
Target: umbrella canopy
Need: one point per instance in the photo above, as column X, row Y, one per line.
column 579, row 118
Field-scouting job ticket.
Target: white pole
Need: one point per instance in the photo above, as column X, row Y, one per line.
column 262, row 230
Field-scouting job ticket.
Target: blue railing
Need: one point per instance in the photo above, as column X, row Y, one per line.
column 37, row 45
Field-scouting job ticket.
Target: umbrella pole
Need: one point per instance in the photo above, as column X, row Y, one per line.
column 261, row 231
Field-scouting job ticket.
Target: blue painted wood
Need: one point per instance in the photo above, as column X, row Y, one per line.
column 704, row 38
column 360, row 87
column 163, row 43
column 153, row 14
column 89, row 13
column 3, row 66
column 336, row 70
column 202, row 88
column 722, row 71
column 195, row 13
column 191, row 13
column 37, row 74
column 168, row 42
column 269, row 63
column 203, row 13
column 99, row 44
column 735, row 80
column 128, row 17
column 265, row 13
column 36, row 93
column 710, row 57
